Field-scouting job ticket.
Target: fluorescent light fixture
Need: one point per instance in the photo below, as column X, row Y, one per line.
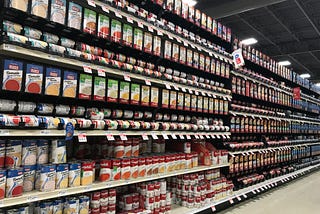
column 249, row 41
column 305, row 76
column 285, row 63
column 317, row 84
column 191, row 3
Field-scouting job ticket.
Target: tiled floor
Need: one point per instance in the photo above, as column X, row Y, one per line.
column 298, row 197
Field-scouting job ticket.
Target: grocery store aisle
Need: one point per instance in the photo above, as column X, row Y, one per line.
column 298, row 197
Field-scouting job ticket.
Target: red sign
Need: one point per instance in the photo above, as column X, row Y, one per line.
column 297, row 93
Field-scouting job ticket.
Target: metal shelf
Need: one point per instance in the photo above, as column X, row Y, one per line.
column 17, row 51
column 243, row 194
column 39, row 196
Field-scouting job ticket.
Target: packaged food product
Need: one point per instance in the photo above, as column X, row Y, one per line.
column 165, row 98
column 177, row 7
column 42, row 152
column 173, row 99
column 58, row 151
column 62, row 176
column 19, row 4
column 13, row 153
column 112, row 93
column 124, row 92
column 204, row 20
column 11, row 27
column 137, row 38
column 58, row 11
column 86, row 173
column 195, row 59
column 168, row 50
column 103, row 26
column 14, row 184
column 180, row 101
column 12, row 75
column 74, row 15
column 99, row 91
column 70, row 81
column 116, row 169
column 182, row 55
column 201, row 62
column 175, row 52
column 29, row 173
column 33, row 81
column 189, row 57
column 2, row 153
column 125, row 169
column 85, row 86
column 154, row 100
column 105, row 170
column 47, row 178
column 40, row 8
column 116, row 30
column 119, row 149
column 127, row 35
column 147, row 42
column 29, row 152
column 74, row 174
column 145, row 95
column 199, row 103
column 89, row 21
column 135, row 94
column 53, row 79
column 156, row 45
column 3, row 180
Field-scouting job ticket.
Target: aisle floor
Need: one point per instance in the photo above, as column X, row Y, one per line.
column 298, row 197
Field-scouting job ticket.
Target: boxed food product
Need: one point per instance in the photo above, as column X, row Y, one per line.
column 156, row 45
column 175, row 52
column 197, row 17
column 85, row 86
column 173, row 99
column 19, row 4
column 124, row 92
column 89, row 21
column 58, row 11
column 183, row 54
column 191, row 14
column 52, row 81
column 201, row 62
column 195, row 59
column 116, row 30
column 203, row 153
column 180, row 101
column 189, row 57
column 103, row 26
column 74, row 15
column 154, row 97
column 184, row 10
column 214, row 27
column 112, row 94
column 194, row 102
column 135, row 94
column 70, row 83
column 147, row 42
column 168, row 49
column 165, row 98
column 137, row 38
column 34, row 77
column 145, row 95
column 12, row 75
column 177, row 7
column 99, row 88
column 187, row 102
column 40, row 8
column 127, row 34
column 204, row 21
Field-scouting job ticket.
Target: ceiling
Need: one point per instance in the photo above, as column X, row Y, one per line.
column 285, row 29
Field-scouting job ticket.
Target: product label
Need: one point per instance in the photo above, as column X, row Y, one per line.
column 135, row 94
column 156, row 45
column 39, row 8
column 116, row 30
column 127, row 34
column 147, row 42
column 103, row 26
column 112, row 90
column 12, row 75
column 74, row 15
column 69, row 84
column 58, row 11
column 145, row 95
column 165, row 98
column 99, row 88
column 167, row 50
column 53, row 79
column 154, row 96
column 124, row 92
column 85, row 86
column 34, row 76
column 89, row 21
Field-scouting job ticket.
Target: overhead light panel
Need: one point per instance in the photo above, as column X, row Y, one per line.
column 285, row 63
column 191, row 3
column 317, row 84
column 249, row 41
column 305, row 76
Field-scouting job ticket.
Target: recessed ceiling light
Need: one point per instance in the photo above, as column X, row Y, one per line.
column 191, row 3
column 305, row 76
column 249, row 41
column 285, row 63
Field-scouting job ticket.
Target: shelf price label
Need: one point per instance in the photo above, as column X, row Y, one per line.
column 196, row 136
column 174, row 136
column 87, row 69
column 140, row 24
column 150, row 29
column 118, row 15
column 176, row 87
column 123, row 136
column 238, row 198
column 62, row 193
column 130, row 20
column 110, row 137
column 91, row 3
column 82, row 137
column 145, row 136
column 101, row 73
column 165, row 136
column 231, row 201
column 32, row 198
column 105, row 9
column 181, row 136
column 201, row 137
column 154, row 136
column 168, row 86
column 213, row 208
column 127, row 77
column 148, row 82
column 253, row 191
column 245, row 196
column 188, row 137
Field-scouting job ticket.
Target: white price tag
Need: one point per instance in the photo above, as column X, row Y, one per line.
column 174, row 136
column 150, row 29
column 196, row 92
column 254, row 192
column 245, row 196
column 127, row 77
column 224, row 137
column 118, row 15
column 123, row 136
column 231, row 201
column 208, row 136
column 32, row 198
column 201, row 137
column 91, row 3
column 144, row 136
column 88, row 188
column 170, row 37
column 178, row 40
column 43, row 132
column 238, row 198
column 183, row 90
column 82, row 137
column 203, row 93
column 62, row 192
column 190, row 91
column 168, row 86
column 188, row 137
column 148, row 82
column 209, row 95
column 185, row 44
column 176, row 87
column 258, row 190
column 154, row 136
column 140, row 24
column 130, row 20
column 213, row 208
column 213, row 136
column 159, row 32
column 181, row 137
column 165, row 136
column 101, row 73
column 110, row 137
column 87, row 69
column 218, row 136
column 196, row 136
column 105, row 9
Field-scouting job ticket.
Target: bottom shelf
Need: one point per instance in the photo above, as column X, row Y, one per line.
column 245, row 193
